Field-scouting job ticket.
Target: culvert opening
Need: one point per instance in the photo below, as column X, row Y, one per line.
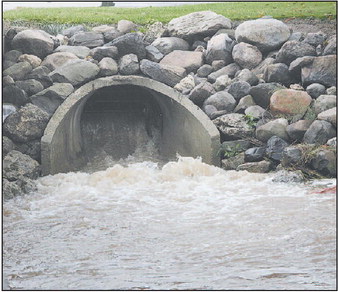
column 119, row 121
column 119, row 114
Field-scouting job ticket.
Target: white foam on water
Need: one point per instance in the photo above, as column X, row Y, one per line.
column 181, row 225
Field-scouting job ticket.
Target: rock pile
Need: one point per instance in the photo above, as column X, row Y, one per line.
column 260, row 83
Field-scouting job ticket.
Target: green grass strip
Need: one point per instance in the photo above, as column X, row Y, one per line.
column 149, row 15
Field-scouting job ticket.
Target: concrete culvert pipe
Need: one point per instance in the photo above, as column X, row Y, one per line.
column 120, row 113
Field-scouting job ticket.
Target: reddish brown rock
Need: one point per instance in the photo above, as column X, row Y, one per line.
column 289, row 102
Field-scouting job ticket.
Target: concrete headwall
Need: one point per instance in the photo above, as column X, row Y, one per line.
column 184, row 128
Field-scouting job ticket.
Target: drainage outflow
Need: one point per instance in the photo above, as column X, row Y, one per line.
column 117, row 115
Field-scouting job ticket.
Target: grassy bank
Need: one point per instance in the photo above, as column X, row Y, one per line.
column 148, row 15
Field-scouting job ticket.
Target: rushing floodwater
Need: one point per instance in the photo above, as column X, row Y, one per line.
column 184, row 225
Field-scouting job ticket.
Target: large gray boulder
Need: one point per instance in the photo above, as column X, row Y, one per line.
column 168, row 44
column 190, row 61
column 273, row 128
column 130, row 43
column 170, row 75
column 18, row 71
column 26, row 124
column 292, row 50
column 239, row 89
column 315, row 90
column 88, row 39
column 80, row 51
column 265, row 34
column 202, row 23
column 35, row 42
column 322, row 70
column 57, row 60
column 16, row 164
column 331, row 47
column 219, row 47
column 275, row 147
column 51, row 98
column 75, row 72
column 319, row 133
column 246, row 55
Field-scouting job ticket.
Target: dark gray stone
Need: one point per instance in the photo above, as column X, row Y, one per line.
column 239, row 89
column 204, row 70
column 30, row 86
column 26, row 124
column 262, row 93
column 34, row 42
column 112, row 34
column 254, row 154
column 319, row 133
column 31, row 148
column 15, row 95
column 292, row 50
column 277, row 73
column 322, row 70
column 291, row 156
column 9, row 191
column 12, row 55
column 275, row 147
column 315, row 90
column 88, row 39
column 201, row 92
column 41, row 74
column 325, row 162
column 130, row 43
column 101, row 52
column 16, row 164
